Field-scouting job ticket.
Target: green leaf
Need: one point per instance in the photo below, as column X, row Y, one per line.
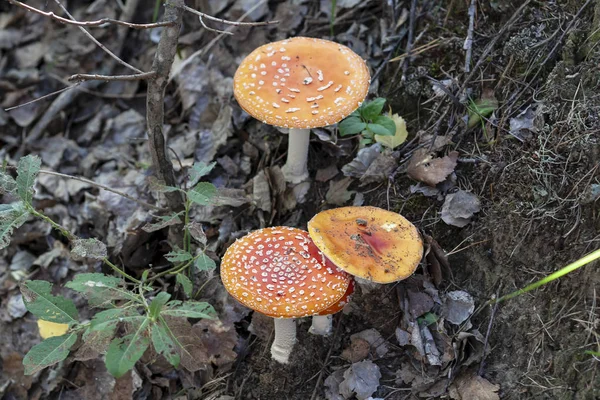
column 185, row 283
column 190, row 309
column 12, row 216
column 7, row 183
column 27, row 171
column 383, row 127
column 178, row 255
column 199, row 170
column 351, row 126
column 387, row 123
column 48, row 352
column 204, row 263
column 163, row 222
column 164, row 344
column 107, row 320
column 124, row 352
column 399, row 137
column 100, row 289
column 481, row 109
column 157, row 304
column 89, row 248
column 202, row 193
column 43, row 304
column 372, row 109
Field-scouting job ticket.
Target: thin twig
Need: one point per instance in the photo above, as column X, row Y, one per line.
column 411, row 35
column 66, row 98
column 224, row 21
column 468, row 46
column 110, row 53
column 96, row 23
column 155, row 113
column 487, row 335
column 208, row 28
column 109, row 78
column 206, row 48
column 43, row 97
column 101, row 186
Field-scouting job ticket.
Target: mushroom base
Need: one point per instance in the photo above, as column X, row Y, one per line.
column 321, row 325
column 295, row 169
column 285, row 338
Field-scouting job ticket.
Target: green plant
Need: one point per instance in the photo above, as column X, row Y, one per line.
column 552, row 277
column 135, row 314
column 368, row 121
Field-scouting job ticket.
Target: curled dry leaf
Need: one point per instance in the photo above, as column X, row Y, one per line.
column 472, row 386
column 361, row 378
column 459, row 306
column 425, row 167
column 459, row 207
column 357, row 351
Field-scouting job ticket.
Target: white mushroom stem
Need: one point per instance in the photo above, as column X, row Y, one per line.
column 285, row 337
column 295, row 169
column 321, row 325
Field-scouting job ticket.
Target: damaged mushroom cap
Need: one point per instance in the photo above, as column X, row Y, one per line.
column 301, row 83
column 368, row 242
column 279, row 272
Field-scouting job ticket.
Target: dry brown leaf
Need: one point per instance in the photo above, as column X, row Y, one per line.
column 424, row 167
column 357, row 351
column 193, row 353
column 471, row 386
column 218, row 339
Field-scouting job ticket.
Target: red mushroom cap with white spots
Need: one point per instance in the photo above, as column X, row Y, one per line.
column 301, row 83
column 280, row 272
column 339, row 305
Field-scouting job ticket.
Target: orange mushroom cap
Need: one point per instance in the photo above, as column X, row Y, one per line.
column 281, row 273
column 368, row 242
column 339, row 305
column 301, row 83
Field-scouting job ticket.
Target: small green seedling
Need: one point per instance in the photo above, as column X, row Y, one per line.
column 552, row 277
column 368, row 121
column 133, row 314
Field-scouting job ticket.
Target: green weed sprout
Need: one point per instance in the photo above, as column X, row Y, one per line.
column 368, row 121
column 552, row 277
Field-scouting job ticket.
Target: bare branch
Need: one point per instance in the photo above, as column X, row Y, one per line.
column 109, row 78
column 92, row 24
column 110, row 53
column 212, row 29
column 468, row 46
column 42, row 98
column 163, row 60
column 201, row 15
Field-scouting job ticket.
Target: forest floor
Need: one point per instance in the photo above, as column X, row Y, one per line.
column 524, row 121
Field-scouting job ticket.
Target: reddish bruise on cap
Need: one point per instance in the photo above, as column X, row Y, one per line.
column 301, row 83
column 281, row 273
column 368, row 242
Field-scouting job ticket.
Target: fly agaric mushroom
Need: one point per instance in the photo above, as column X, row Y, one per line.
column 368, row 242
column 321, row 323
column 279, row 272
column 301, row 83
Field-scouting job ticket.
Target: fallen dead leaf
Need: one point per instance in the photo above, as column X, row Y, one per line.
column 459, row 207
column 426, row 168
column 357, row 351
column 338, row 193
column 362, row 379
column 469, row 386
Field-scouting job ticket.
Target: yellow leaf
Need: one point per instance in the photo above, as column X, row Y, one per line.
column 401, row 133
column 50, row 329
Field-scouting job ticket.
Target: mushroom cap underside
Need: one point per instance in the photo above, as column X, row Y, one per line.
column 368, row 242
column 301, row 83
column 279, row 272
